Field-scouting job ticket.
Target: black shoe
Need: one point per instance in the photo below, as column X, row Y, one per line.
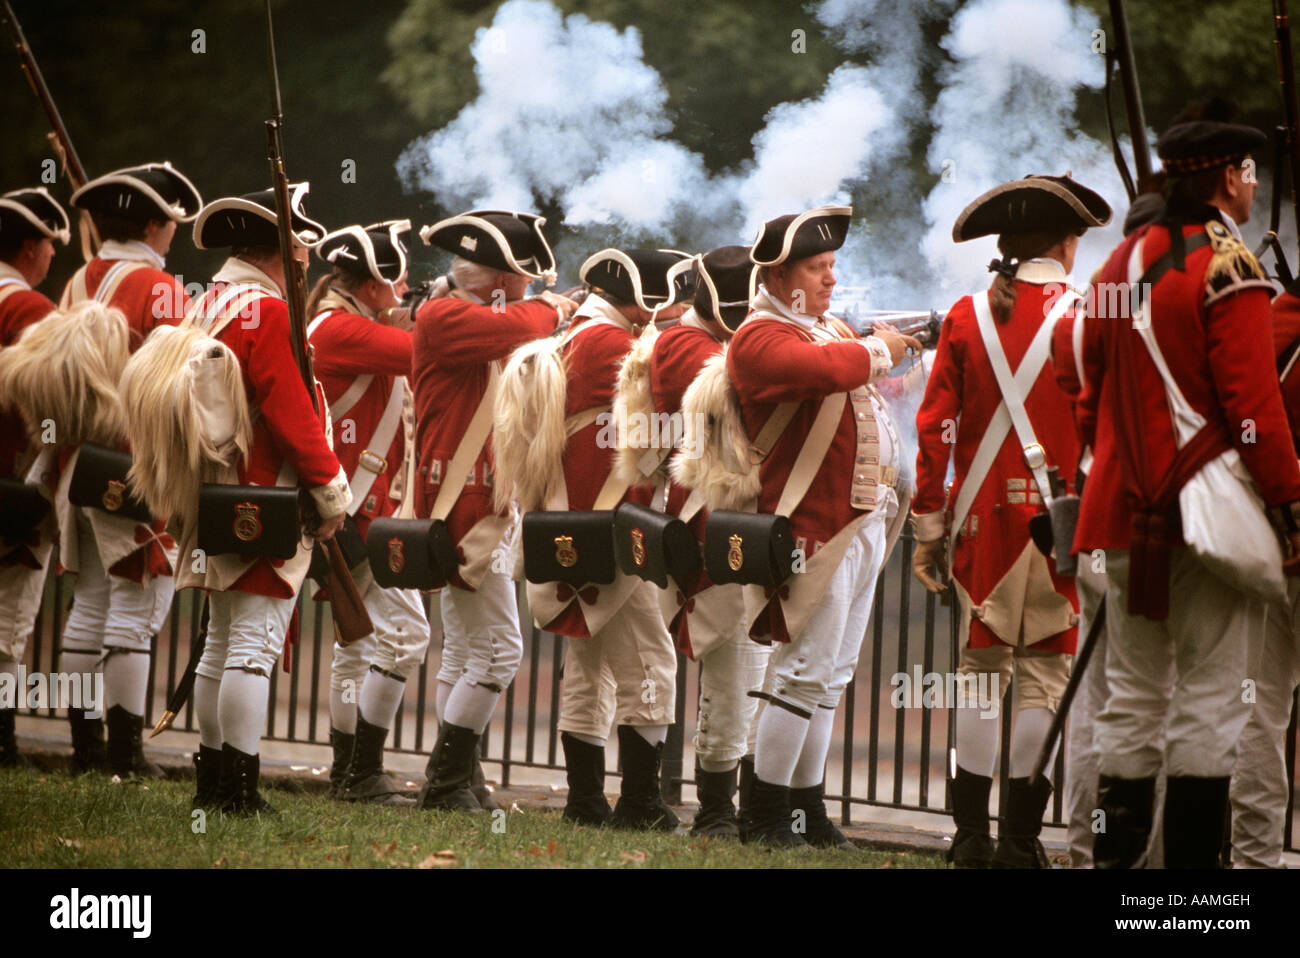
column 450, row 768
column 342, row 743
column 366, row 780
column 207, row 777
column 584, row 767
column 640, row 806
column 1194, row 818
column 126, row 746
column 88, row 752
column 772, row 824
column 479, row 786
column 238, row 786
column 819, row 830
column 745, row 814
column 1126, row 805
column 10, row 757
column 717, row 815
column 971, row 845
column 1018, row 844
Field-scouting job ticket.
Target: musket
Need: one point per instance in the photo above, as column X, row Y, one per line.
column 1287, row 135
column 1071, row 689
column 924, row 325
column 58, row 135
column 186, row 685
column 350, row 613
column 1137, row 124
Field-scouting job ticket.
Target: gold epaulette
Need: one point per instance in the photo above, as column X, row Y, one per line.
column 1232, row 265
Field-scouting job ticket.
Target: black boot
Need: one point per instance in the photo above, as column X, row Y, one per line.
column 342, row 743
column 745, row 815
column 126, row 746
column 772, row 824
column 450, row 768
column 717, row 814
column 88, row 753
column 971, row 845
column 238, row 786
column 479, row 786
column 1126, row 805
column 819, row 830
column 9, row 754
column 584, row 767
column 366, row 780
column 640, row 806
column 1018, row 844
column 207, row 777
column 1194, row 815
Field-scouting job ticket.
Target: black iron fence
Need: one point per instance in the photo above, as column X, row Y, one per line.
column 882, row 756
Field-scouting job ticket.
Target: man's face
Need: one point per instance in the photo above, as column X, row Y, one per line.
column 515, row 286
column 806, row 284
column 1241, row 189
column 42, row 251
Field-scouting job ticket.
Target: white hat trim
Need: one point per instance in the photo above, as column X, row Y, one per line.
column 63, row 234
column 470, row 219
column 173, row 211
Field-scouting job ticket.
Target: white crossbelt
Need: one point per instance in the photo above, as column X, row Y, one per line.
column 371, row 465
column 1011, row 410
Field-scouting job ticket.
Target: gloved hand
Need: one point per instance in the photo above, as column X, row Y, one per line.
column 930, row 564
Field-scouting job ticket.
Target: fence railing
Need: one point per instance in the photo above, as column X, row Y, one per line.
column 882, row 757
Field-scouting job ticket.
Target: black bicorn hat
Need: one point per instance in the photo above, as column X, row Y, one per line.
column 649, row 278
column 250, row 220
column 1198, row 145
column 142, row 193
column 33, row 214
column 373, row 252
column 498, row 239
column 725, row 281
column 798, row 236
column 1034, row 204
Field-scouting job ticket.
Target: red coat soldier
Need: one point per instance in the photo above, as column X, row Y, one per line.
column 461, row 338
column 251, row 600
column 1005, row 433
column 125, row 569
column 30, row 223
column 790, row 350
column 1259, row 776
column 362, row 362
column 1177, row 633
column 620, row 666
column 708, row 620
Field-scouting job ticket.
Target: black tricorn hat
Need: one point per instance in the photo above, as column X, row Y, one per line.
column 151, row 191
column 373, row 252
column 498, row 239
column 798, row 236
column 646, row 277
column 250, row 220
column 1035, row 204
column 725, row 281
column 33, row 214
column 1205, row 144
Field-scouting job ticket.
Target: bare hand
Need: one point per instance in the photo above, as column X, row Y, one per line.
column 1291, row 565
column 330, row 526
column 930, row 564
column 898, row 345
column 566, row 306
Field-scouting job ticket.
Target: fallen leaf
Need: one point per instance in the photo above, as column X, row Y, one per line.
column 889, row 863
column 442, row 859
column 550, row 848
column 221, row 862
column 68, row 842
column 635, row 857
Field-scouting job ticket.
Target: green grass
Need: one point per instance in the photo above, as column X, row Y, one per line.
column 52, row 820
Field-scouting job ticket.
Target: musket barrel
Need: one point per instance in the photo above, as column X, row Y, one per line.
column 1137, row 124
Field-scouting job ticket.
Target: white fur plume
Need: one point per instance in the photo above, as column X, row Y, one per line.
column 528, row 425
column 714, row 457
